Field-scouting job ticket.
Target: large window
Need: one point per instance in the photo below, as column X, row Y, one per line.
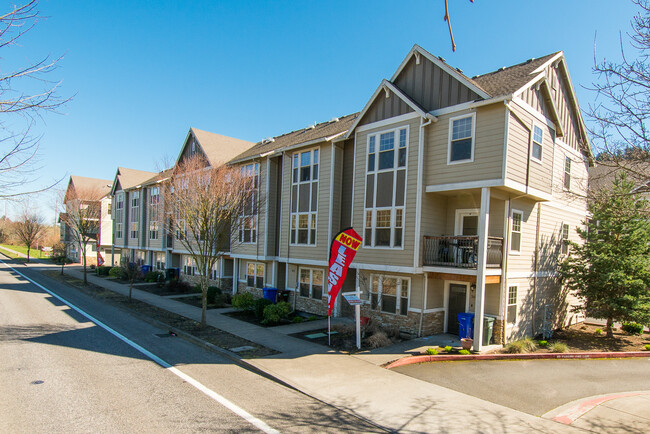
column 160, row 261
column 304, row 197
column 389, row 294
column 189, row 268
column 515, row 231
column 385, row 188
column 119, row 215
column 512, row 304
column 538, row 138
column 154, row 200
column 461, row 139
column 567, row 173
column 255, row 275
column 311, row 283
column 248, row 221
column 135, row 214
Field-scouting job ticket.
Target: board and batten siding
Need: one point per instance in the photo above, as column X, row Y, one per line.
column 394, row 256
column 432, row 87
column 521, row 167
column 320, row 251
column 488, row 149
column 384, row 108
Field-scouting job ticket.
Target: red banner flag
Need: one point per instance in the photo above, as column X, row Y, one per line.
column 344, row 247
column 100, row 258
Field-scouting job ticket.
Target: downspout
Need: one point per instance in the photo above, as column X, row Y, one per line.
column 504, row 283
column 539, row 212
column 418, row 202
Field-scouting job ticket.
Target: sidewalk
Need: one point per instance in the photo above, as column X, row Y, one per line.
column 356, row 383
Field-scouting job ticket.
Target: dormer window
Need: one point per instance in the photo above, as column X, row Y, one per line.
column 461, row 139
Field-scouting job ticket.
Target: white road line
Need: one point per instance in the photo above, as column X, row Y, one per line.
column 209, row 392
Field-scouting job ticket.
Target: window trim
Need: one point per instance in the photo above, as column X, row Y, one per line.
column 252, row 217
column 393, row 215
column 508, row 304
column 311, row 283
column 450, row 135
column 533, row 142
column 521, row 224
column 309, row 213
column 398, row 296
column 567, row 173
column 255, row 276
column 564, row 242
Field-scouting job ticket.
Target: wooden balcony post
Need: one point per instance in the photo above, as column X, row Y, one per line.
column 479, row 305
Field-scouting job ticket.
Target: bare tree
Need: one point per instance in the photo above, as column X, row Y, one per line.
column 29, row 228
column 204, row 205
column 82, row 216
column 25, row 92
column 620, row 117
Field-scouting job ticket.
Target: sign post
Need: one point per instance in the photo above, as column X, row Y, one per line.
column 354, row 299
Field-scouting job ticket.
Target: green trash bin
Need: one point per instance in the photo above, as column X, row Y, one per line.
column 488, row 328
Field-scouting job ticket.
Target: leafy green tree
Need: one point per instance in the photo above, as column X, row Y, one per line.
column 610, row 270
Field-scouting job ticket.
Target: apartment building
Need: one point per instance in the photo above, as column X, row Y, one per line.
column 465, row 191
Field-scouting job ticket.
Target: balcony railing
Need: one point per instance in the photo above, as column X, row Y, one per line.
column 461, row 251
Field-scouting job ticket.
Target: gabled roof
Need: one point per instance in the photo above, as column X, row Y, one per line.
column 129, row 178
column 158, row 177
column 312, row 134
column 218, row 149
column 602, row 176
column 88, row 186
column 505, row 81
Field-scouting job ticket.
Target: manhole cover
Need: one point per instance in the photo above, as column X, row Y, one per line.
column 38, row 382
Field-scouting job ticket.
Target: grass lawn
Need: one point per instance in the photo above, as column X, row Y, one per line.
column 33, row 253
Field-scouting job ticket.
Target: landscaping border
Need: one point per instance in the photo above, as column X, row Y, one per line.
column 531, row 356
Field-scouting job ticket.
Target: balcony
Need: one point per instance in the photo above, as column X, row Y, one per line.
column 460, row 251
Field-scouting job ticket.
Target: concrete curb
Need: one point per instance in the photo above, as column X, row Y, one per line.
column 572, row 411
column 555, row 356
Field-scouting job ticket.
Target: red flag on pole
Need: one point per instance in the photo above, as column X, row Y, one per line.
column 100, row 259
column 344, row 247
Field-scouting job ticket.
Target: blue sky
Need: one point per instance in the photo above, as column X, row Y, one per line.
column 143, row 72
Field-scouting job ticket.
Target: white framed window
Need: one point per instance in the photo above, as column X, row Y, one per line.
column 311, row 283
column 515, row 231
column 255, row 275
column 386, row 188
column 119, row 201
column 537, row 149
column 565, row 239
column 154, row 212
column 135, row 214
column 512, row 305
column 160, row 261
column 118, row 230
column 304, row 197
column 189, row 268
column 248, row 221
column 390, row 294
column 181, row 230
column 567, row 173
column 461, row 139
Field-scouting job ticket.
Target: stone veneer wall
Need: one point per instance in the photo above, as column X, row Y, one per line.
column 311, row 305
column 224, row 284
column 497, row 332
column 432, row 323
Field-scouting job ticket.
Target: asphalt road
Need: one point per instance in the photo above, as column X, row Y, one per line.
column 60, row 372
column 535, row 386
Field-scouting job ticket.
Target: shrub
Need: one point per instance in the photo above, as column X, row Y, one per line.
column 464, row 352
column 542, row 344
column 92, row 266
column 117, row 272
column 243, row 301
column 632, row 328
column 178, row 286
column 647, row 347
column 312, row 318
column 103, row 270
column 220, row 300
column 525, row 345
column 273, row 313
column 448, row 348
column 154, row 276
column 378, row 339
column 213, row 291
column 559, row 347
column 298, row 319
column 432, row 351
column 258, row 307
column 599, row 331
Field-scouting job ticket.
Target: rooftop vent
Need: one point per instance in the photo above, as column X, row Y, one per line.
column 459, row 70
column 502, row 68
column 442, row 58
column 268, row 140
column 311, row 127
column 334, row 120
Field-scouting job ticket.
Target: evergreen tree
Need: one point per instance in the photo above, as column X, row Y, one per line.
column 610, row 270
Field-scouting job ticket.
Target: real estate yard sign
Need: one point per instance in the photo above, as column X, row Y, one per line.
column 344, row 247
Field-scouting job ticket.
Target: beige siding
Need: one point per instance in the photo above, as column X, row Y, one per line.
column 488, row 149
column 257, row 248
column 431, row 87
column 337, row 188
column 347, row 184
column 399, row 256
column 520, row 166
column 435, row 293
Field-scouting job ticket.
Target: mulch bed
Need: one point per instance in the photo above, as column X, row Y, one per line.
column 249, row 317
column 584, row 338
column 195, row 300
column 209, row 334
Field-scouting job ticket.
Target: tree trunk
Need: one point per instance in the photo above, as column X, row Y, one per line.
column 130, row 290
column 62, row 265
column 81, row 248
column 608, row 327
column 27, row 253
column 204, row 299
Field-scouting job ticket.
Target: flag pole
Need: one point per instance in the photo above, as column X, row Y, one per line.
column 329, row 335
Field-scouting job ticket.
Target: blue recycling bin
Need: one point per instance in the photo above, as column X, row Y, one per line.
column 270, row 294
column 466, row 325
column 145, row 268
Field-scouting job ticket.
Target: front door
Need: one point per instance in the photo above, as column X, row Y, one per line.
column 457, row 299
